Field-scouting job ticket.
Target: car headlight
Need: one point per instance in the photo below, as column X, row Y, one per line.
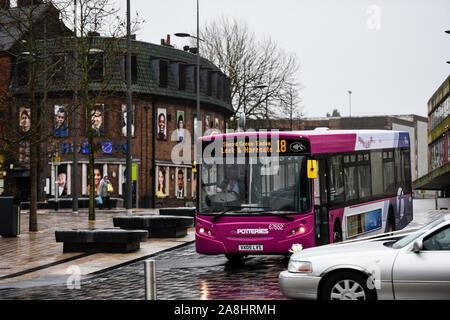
column 299, row 266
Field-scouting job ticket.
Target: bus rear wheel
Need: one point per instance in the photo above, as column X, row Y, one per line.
column 390, row 227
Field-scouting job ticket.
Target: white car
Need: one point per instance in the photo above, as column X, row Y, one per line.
column 416, row 266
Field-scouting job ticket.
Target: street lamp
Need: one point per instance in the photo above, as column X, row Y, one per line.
column 258, row 86
column 197, row 124
column 129, row 185
column 448, row 32
column 350, row 102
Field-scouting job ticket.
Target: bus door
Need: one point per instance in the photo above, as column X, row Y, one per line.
column 321, row 217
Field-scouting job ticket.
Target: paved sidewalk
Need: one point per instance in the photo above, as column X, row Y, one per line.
column 35, row 258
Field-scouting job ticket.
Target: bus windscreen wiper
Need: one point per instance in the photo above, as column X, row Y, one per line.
column 272, row 213
column 231, row 208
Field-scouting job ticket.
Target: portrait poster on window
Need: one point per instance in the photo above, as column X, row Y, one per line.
column 207, row 123
column 97, row 119
column 61, row 121
column 162, row 182
column 62, row 180
column 180, row 126
column 161, row 125
column 180, row 185
column 24, row 119
column 194, row 185
column 98, row 175
column 216, row 123
column 124, row 120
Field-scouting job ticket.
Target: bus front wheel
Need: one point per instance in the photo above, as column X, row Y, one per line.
column 234, row 258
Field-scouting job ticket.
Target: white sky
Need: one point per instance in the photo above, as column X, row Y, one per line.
column 390, row 53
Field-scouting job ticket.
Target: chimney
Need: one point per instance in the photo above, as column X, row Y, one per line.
column 5, row 4
column 24, row 3
column 168, row 40
column 163, row 42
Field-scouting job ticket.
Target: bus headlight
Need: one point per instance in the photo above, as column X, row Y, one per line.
column 299, row 266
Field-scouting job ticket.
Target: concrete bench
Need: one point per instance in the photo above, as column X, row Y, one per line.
column 101, row 240
column 178, row 211
column 66, row 203
column 157, row 226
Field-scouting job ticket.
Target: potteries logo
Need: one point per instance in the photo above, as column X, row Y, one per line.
column 252, row 231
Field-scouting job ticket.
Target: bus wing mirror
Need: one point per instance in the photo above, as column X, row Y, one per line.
column 312, row 169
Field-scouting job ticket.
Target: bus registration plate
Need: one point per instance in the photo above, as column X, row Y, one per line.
column 251, row 247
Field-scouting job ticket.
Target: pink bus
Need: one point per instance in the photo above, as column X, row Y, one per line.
column 263, row 192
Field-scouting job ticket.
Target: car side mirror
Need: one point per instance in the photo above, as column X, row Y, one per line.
column 417, row 246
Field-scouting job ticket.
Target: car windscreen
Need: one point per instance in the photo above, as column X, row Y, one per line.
column 413, row 236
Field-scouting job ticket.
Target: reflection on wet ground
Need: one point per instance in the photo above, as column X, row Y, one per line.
column 181, row 274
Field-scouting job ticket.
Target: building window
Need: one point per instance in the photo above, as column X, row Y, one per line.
column 203, row 80
column 59, row 63
column 133, row 69
column 95, row 67
column 440, row 113
column 209, row 83
column 226, row 90
column 23, row 70
column 163, row 73
column 219, row 91
column 437, row 153
column 181, row 76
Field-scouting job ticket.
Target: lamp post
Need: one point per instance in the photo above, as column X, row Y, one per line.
column 447, row 32
column 75, row 116
column 350, row 102
column 197, row 124
column 258, row 86
column 129, row 184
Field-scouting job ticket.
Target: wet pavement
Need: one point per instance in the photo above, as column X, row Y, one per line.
column 181, row 274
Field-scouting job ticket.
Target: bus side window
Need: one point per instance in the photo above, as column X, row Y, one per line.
column 320, row 184
column 317, row 191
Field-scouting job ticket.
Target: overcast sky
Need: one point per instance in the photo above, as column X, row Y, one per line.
column 390, row 53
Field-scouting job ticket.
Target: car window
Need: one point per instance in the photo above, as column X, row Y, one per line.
column 413, row 236
column 439, row 240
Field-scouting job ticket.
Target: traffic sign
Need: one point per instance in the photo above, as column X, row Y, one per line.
column 56, row 161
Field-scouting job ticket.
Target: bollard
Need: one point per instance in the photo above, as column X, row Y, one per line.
column 150, row 279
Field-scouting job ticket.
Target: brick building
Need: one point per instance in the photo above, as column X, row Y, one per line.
column 164, row 104
column 14, row 29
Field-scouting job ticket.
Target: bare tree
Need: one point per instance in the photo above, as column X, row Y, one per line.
column 35, row 70
column 20, row 29
column 95, row 62
column 290, row 106
column 250, row 63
